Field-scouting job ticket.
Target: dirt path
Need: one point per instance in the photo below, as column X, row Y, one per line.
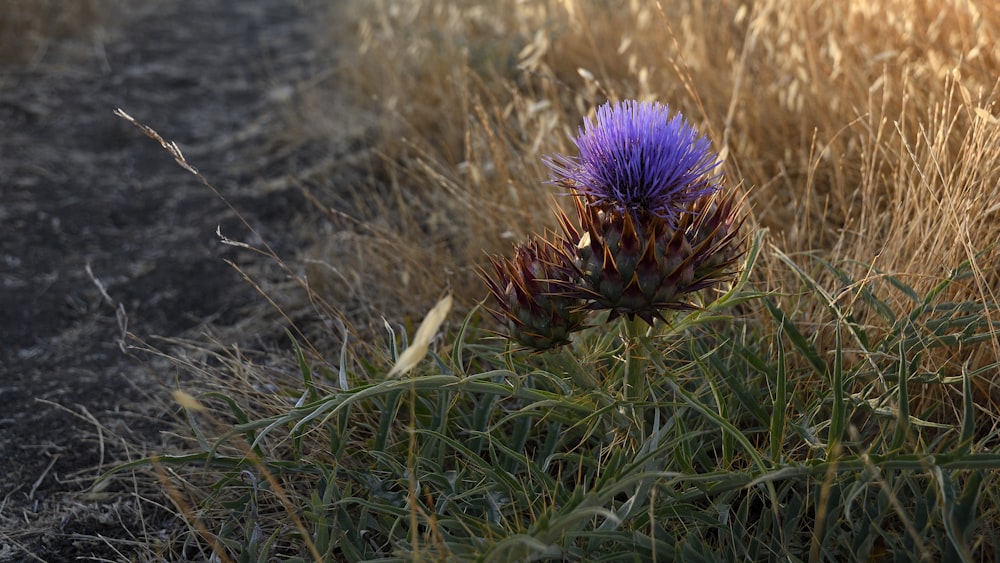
column 81, row 189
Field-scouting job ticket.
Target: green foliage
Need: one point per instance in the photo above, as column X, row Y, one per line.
column 706, row 439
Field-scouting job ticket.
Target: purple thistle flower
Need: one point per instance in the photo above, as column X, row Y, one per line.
column 634, row 159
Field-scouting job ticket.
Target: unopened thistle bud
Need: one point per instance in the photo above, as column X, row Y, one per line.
column 531, row 296
column 715, row 223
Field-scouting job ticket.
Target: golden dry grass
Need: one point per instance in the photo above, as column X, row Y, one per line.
column 864, row 131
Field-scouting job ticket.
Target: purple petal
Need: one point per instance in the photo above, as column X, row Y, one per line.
column 634, row 157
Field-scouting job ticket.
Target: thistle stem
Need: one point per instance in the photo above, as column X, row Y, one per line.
column 635, row 332
column 635, row 386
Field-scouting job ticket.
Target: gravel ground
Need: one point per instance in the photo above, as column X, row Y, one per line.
column 102, row 233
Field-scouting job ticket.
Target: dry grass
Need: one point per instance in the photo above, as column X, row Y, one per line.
column 864, row 131
column 29, row 27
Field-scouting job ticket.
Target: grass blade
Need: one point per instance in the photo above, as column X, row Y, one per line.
column 838, row 411
column 777, row 434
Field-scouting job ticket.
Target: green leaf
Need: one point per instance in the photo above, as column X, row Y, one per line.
column 795, row 337
column 968, row 414
column 304, row 369
column 838, row 414
column 902, row 398
column 780, row 403
column 957, row 548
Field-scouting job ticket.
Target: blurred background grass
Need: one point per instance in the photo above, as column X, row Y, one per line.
column 28, row 28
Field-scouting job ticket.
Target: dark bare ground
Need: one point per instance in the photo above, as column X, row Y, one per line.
column 87, row 202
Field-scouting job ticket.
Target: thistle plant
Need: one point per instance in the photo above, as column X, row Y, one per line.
column 655, row 227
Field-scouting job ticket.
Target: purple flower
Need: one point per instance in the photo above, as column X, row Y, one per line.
column 634, row 158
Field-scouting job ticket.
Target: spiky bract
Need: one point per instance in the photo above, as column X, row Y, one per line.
column 639, row 265
column 715, row 224
column 530, row 290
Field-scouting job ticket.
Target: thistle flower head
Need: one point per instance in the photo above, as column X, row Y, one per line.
column 634, row 158
column 632, row 267
column 530, row 294
column 641, row 266
column 654, row 229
